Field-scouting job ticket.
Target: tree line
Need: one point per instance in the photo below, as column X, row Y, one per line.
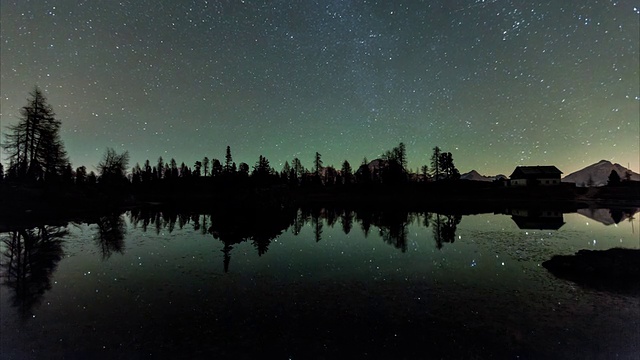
column 36, row 154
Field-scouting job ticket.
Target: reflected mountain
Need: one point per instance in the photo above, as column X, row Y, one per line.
column 609, row 216
column 616, row 270
column 29, row 261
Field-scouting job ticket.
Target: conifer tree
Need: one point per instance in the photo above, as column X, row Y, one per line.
column 435, row 163
column 228, row 160
column 33, row 145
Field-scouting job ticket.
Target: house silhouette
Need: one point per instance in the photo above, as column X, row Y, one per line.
column 535, row 176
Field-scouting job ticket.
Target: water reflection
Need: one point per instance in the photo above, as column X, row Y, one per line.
column 537, row 219
column 610, row 216
column 261, row 226
column 29, row 260
column 111, row 234
column 492, row 279
column 444, row 228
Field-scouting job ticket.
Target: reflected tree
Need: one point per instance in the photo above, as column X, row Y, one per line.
column 317, row 224
column 298, row 222
column 444, row 228
column 365, row 219
column 347, row 221
column 110, row 234
column 393, row 227
column 617, row 215
column 29, row 261
column 258, row 225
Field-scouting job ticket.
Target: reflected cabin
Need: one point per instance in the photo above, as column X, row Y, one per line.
column 535, row 176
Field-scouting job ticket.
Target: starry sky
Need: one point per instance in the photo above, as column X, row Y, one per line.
column 498, row 83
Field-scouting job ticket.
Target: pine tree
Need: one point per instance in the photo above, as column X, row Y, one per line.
column 228, row 160
column 425, row 172
column 435, row 163
column 205, row 165
column 317, row 164
column 286, row 171
column 400, row 155
column 160, row 167
column 297, row 167
column 34, row 147
column 347, row 172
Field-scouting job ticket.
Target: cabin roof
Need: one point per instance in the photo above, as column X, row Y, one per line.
column 535, row 170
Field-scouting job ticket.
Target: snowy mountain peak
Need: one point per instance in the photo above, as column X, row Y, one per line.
column 598, row 174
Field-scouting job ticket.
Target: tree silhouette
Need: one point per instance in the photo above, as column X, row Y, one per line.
column 243, row 169
column 286, row 172
column 113, row 167
column 173, row 168
column 435, row 163
column 400, row 155
column 614, row 178
column 394, row 171
column 317, row 165
column 1, row 172
column 447, row 167
column 196, row 168
column 136, row 175
column 160, row 168
column 347, row 172
column 33, row 145
column 297, row 167
column 205, row 166
column 81, row 175
column 261, row 170
column 216, row 167
column 363, row 175
column 425, row 172
column 91, row 178
column 146, row 172
column 228, row 160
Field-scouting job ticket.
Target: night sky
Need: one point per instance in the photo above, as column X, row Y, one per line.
column 498, row 83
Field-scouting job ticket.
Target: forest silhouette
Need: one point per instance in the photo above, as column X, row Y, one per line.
column 36, row 154
column 40, row 177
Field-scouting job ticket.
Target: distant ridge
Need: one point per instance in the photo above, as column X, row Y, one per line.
column 599, row 174
column 476, row 176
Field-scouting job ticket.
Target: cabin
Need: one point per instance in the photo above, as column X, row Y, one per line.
column 535, row 176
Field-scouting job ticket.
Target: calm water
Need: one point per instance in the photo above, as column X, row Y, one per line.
column 313, row 284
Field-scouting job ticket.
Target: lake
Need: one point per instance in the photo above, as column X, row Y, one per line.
column 314, row 283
